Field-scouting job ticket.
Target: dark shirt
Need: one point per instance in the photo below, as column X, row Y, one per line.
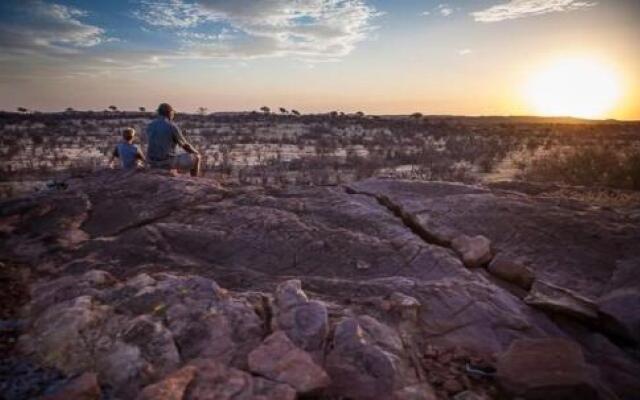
column 128, row 154
column 163, row 136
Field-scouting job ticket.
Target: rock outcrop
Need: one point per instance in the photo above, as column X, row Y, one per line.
column 178, row 288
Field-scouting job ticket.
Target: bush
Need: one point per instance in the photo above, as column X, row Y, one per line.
column 592, row 165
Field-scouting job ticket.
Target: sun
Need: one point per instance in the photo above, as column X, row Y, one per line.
column 575, row 87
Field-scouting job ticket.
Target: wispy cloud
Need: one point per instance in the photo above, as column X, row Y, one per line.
column 514, row 9
column 313, row 28
column 170, row 13
column 464, row 52
column 49, row 28
column 444, row 9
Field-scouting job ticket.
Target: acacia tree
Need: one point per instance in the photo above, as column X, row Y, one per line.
column 113, row 108
column 416, row 115
column 283, row 110
column 265, row 109
column 142, row 109
column 295, row 112
column 22, row 110
column 202, row 110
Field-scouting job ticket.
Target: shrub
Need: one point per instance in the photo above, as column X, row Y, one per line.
column 591, row 165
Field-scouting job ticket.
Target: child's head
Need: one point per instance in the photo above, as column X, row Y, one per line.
column 128, row 134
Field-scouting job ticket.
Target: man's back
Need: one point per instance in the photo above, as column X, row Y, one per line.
column 163, row 136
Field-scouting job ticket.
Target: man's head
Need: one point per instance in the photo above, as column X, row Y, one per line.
column 128, row 134
column 165, row 110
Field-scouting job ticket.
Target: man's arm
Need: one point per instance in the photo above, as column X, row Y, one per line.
column 182, row 141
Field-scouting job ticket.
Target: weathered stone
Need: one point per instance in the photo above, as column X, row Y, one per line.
column 366, row 362
column 546, row 369
column 511, row 271
column 215, row 381
column 304, row 321
column 278, row 359
column 555, row 299
column 57, row 336
column 84, row 387
column 475, row 251
column 403, row 305
column 252, row 239
column 172, row 387
column 620, row 313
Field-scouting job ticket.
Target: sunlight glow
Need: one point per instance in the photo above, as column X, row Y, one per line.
column 576, row 87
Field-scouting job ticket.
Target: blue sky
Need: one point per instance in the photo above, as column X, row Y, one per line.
column 380, row 56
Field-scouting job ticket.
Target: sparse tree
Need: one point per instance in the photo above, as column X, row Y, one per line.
column 202, row 110
column 142, row 109
column 22, row 110
column 69, row 109
column 359, row 114
column 283, row 110
column 295, row 112
column 416, row 115
column 113, row 108
column 333, row 114
column 265, row 109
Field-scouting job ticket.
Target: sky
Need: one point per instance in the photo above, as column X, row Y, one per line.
column 473, row 57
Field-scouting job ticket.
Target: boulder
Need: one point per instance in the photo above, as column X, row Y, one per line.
column 555, row 299
column 475, row 251
column 278, row 359
column 172, row 387
column 305, row 322
column 367, row 362
column 206, row 379
column 57, row 335
column 546, row 369
column 512, row 272
column 215, row 381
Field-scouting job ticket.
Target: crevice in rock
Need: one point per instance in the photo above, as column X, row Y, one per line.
column 407, row 219
column 597, row 325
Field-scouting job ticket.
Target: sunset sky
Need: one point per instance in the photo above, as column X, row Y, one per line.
column 475, row 57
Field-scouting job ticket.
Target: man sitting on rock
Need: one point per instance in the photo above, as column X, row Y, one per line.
column 163, row 135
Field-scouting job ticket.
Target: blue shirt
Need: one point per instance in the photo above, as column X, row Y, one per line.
column 163, row 136
column 128, row 154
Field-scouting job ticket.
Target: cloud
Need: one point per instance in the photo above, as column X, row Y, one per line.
column 48, row 28
column 464, row 52
column 170, row 14
column 260, row 28
column 514, row 9
column 444, row 9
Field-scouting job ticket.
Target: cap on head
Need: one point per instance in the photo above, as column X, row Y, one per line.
column 128, row 134
column 165, row 109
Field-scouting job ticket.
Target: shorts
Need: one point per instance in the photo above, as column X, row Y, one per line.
column 183, row 162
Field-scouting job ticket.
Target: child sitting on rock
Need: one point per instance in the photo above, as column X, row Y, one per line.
column 128, row 153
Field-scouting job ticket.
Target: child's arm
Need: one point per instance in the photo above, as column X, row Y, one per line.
column 114, row 155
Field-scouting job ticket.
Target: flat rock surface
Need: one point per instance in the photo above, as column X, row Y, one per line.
column 157, row 283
